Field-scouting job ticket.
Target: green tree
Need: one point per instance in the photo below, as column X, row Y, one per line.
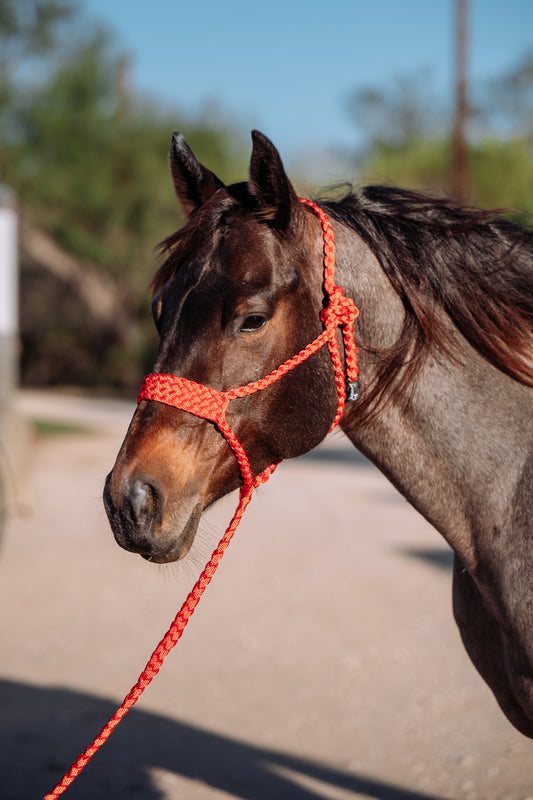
column 401, row 114
column 407, row 139
column 509, row 102
column 29, row 33
column 87, row 159
column 29, row 28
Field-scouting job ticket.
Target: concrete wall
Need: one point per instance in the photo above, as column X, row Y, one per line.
column 8, row 301
column 14, row 433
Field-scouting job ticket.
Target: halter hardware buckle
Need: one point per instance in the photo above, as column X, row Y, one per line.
column 353, row 391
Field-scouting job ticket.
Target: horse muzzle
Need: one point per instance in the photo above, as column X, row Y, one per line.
column 137, row 511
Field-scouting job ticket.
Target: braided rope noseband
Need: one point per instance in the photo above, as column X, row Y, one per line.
column 211, row 404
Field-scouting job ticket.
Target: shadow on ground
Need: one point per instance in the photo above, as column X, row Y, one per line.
column 44, row 729
column 325, row 454
column 441, row 557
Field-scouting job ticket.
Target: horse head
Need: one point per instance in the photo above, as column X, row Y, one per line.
column 240, row 292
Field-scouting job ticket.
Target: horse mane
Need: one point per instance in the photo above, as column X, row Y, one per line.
column 476, row 265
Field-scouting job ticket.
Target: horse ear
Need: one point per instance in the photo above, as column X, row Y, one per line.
column 193, row 183
column 270, row 185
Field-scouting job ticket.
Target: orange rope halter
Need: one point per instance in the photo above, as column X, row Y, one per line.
column 211, row 404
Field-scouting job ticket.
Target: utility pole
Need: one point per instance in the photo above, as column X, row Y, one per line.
column 459, row 167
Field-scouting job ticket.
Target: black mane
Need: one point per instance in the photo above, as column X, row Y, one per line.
column 476, row 265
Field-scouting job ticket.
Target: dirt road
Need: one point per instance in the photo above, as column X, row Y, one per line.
column 323, row 661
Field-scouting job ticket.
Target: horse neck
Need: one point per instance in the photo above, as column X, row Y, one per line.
column 457, row 446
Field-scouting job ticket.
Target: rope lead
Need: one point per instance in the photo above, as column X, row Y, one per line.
column 211, row 404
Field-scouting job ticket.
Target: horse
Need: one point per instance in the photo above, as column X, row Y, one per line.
column 445, row 402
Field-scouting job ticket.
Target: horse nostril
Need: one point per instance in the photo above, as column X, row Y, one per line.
column 144, row 500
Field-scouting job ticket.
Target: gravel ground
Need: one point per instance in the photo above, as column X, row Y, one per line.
column 322, row 662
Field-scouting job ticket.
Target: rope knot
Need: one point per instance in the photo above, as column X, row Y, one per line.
column 341, row 310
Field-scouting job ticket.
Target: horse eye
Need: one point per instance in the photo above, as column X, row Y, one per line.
column 253, row 323
column 157, row 307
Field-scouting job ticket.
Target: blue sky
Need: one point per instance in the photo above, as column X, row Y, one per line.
column 288, row 66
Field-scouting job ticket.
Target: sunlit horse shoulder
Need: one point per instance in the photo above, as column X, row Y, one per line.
column 445, row 341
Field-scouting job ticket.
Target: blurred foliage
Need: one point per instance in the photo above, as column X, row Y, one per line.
column 47, row 428
column 407, row 138
column 500, row 171
column 86, row 157
column 405, row 112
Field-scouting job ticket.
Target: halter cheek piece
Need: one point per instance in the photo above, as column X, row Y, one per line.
column 211, row 404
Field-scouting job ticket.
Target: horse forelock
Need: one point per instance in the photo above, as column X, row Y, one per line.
column 475, row 265
column 177, row 247
column 223, row 210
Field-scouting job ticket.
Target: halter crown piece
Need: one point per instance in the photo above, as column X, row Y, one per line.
column 211, row 404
